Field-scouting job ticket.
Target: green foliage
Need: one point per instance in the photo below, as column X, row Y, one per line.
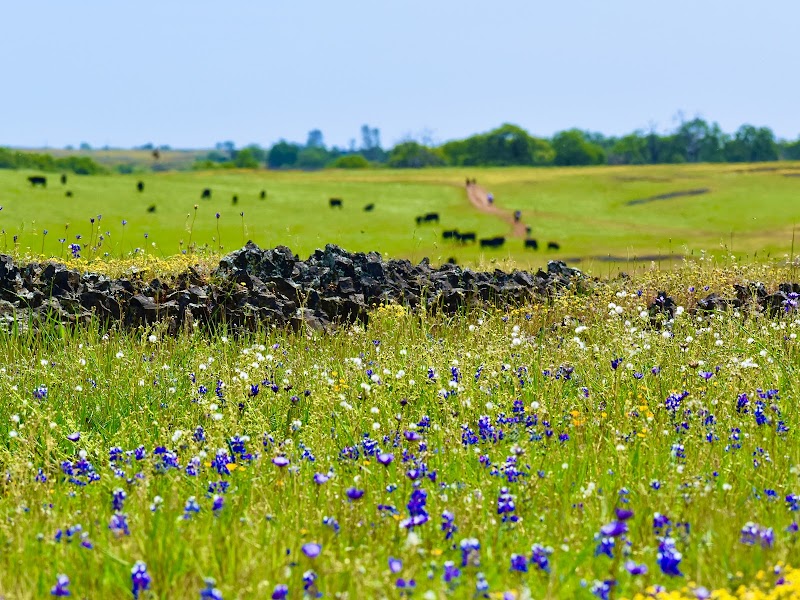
column 312, row 158
column 752, row 144
column 80, row 165
column 412, row 155
column 351, row 161
column 572, row 149
column 283, row 155
column 508, row 145
column 791, row 150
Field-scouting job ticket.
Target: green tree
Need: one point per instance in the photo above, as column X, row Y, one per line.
column 315, row 139
column 629, row 150
column 752, row 144
column 572, row 149
column 790, row 150
column 282, row 155
column 351, row 161
column 312, row 158
column 413, row 155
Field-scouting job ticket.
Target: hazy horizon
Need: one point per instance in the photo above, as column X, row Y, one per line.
column 189, row 75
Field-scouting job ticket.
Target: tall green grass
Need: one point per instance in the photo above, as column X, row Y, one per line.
column 524, row 399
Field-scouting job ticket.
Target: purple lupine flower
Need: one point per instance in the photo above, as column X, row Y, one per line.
column 615, row 362
column 451, row 572
column 416, row 509
column 61, row 586
column 118, row 499
column 74, row 437
column 668, row 557
column 385, row 458
column 602, row 589
column 280, row 592
column 354, row 493
column 312, row 549
column 506, row 506
column 320, row 478
column 753, row 533
column 280, row 461
column 210, row 592
column 614, row 529
column 395, row 565
column 605, row 545
column 470, row 552
column 218, row 502
column 635, row 569
column 519, row 562
column 118, row 524
column 140, row 578
column 540, row 557
column 191, row 507
column 623, row 514
column 310, row 584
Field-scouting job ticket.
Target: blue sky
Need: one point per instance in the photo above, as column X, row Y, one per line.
column 189, row 74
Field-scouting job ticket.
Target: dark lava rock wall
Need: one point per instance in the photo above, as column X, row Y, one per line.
column 254, row 287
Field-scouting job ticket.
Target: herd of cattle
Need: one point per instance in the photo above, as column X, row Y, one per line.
column 432, row 217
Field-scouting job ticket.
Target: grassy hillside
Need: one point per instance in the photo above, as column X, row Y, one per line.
column 749, row 208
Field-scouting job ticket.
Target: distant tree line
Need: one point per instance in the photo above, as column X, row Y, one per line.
column 81, row 165
column 691, row 142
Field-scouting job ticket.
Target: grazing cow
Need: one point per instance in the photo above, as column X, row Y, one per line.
column 369, row 208
column 335, row 202
column 263, row 194
column 431, row 218
column 467, row 236
column 449, row 234
column 156, row 154
column 206, row 194
column 68, row 194
column 140, row 186
column 553, row 246
column 235, row 199
column 532, row 244
column 38, row 180
column 494, row 242
column 63, row 179
column 151, row 208
column 517, row 216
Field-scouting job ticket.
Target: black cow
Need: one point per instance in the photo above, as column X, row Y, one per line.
column 553, row 246
column 494, row 242
column 468, row 236
column 38, row 180
column 263, row 194
column 532, row 244
column 151, row 208
column 235, row 199
column 68, row 194
column 449, row 234
column 335, row 202
column 63, row 179
column 369, row 208
column 206, row 194
column 156, row 154
column 140, row 186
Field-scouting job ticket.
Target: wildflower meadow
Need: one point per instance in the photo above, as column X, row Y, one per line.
column 584, row 447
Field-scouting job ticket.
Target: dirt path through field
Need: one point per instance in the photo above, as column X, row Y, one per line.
column 479, row 198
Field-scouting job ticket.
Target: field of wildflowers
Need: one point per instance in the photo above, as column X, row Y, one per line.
column 575, row 449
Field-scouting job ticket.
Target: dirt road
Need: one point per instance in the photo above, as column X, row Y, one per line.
column 479, row 198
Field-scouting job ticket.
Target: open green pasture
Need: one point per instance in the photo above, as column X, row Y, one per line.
column 748, row 209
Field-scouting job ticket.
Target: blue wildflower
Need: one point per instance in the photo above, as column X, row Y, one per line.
column 61, row 586
column 140, row 578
